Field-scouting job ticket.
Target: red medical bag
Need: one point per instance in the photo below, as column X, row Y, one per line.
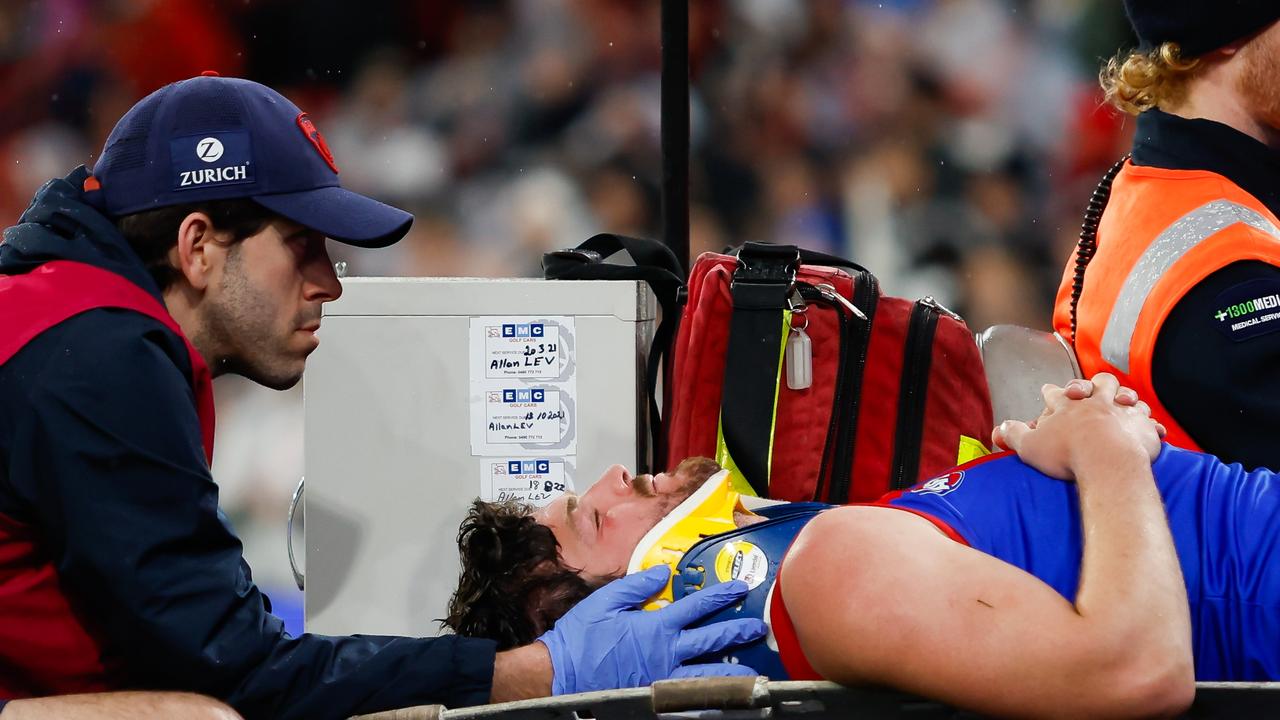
column 793, row 367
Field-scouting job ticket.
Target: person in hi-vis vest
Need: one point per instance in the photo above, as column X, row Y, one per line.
column 1176, row 287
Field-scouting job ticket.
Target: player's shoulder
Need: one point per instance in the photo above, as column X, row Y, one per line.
column 861, row 527
column 1000, row 465
column 1174, row 460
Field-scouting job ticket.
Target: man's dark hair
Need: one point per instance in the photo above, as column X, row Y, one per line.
column 513, row 585
column 153, row 233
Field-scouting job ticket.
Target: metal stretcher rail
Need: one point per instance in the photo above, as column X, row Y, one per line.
column 757, row 698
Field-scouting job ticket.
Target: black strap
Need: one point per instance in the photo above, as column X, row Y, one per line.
column 765, row 277
column 657, row 266
column 807, row 257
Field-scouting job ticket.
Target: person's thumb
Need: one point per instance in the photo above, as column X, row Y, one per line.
column 628, row 592
column 1010, row 434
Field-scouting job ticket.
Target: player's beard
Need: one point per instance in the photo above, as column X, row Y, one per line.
column 692, row 474
column 1259, row 81
column 245, row 323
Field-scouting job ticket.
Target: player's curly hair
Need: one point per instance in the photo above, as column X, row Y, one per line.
column 1135, row 81
column 513, row 585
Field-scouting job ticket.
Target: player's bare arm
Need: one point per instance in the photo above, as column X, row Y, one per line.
column 128, row 705
column 921, row 612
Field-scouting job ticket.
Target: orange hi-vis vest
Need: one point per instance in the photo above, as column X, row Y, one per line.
column 1163, row 231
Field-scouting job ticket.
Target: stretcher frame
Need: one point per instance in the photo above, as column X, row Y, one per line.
column 759, row 699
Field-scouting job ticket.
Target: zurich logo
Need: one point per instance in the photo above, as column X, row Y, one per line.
column 209, row 149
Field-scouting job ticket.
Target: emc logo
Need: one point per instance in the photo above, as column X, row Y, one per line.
column 209, row 149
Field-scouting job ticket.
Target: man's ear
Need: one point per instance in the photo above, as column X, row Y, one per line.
column 197, row 252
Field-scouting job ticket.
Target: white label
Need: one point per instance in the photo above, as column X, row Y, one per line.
column 523, row 415
column 743, row 561
column 523, row 350
column 523, row 383
column 536, row 481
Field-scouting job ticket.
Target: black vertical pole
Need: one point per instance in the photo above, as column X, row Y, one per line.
column 675, row 128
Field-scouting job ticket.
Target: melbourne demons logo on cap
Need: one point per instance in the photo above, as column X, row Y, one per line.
column 942, row 484
column 313, row 134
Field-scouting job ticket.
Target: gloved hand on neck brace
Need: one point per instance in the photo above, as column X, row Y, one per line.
column 605, row 642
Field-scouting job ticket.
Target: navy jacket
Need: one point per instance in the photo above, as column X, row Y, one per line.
column 100, row 453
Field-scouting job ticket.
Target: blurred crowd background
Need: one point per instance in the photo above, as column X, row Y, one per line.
column 948, row 145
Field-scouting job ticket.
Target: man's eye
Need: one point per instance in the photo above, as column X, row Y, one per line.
column 597, row 519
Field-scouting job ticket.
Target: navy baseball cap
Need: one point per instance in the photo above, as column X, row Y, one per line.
column 215, row 138
column 1198, row 26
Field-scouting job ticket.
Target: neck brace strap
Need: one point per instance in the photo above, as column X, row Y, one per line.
column 708, row 511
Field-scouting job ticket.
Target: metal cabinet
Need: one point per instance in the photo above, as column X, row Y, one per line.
column 390, row 469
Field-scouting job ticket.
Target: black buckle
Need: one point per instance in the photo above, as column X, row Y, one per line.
column 766, row 275
column 562, row 264
column 586, row 257
column 762, row 263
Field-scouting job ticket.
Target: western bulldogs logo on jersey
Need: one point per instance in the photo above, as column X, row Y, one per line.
column 942, row 484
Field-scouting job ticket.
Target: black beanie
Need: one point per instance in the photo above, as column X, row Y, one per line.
column 1198, row 26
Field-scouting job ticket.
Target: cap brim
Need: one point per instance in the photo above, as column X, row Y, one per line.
column 342, row 215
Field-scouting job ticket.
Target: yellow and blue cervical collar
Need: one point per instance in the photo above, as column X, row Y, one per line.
column 708, row 511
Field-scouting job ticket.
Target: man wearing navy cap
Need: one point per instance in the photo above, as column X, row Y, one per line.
column 195, row 248
column 1175, row 286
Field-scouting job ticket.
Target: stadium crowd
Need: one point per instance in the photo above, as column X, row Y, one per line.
column 949, row 145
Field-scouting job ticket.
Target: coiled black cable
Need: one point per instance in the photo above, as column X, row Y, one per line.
column 1088, row 245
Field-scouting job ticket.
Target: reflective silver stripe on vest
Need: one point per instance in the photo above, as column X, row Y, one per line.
column 1179, row 238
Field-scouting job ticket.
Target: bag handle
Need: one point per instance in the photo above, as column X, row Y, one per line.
column 762, row 283
column 657, row 266
column 807, row 257
column 764, row 279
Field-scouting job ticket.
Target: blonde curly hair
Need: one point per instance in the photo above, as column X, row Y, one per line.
column 1136, row 81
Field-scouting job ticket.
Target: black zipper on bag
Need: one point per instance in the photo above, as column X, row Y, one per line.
column 843, row 431
column 912, row 392
column 812, row 294
column 865, row 296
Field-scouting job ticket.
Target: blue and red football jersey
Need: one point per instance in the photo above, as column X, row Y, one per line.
column 1224, row 522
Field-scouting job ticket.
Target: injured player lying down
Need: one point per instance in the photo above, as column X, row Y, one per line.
column 997, row 587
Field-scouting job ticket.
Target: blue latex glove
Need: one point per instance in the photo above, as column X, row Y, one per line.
column 605, row 642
